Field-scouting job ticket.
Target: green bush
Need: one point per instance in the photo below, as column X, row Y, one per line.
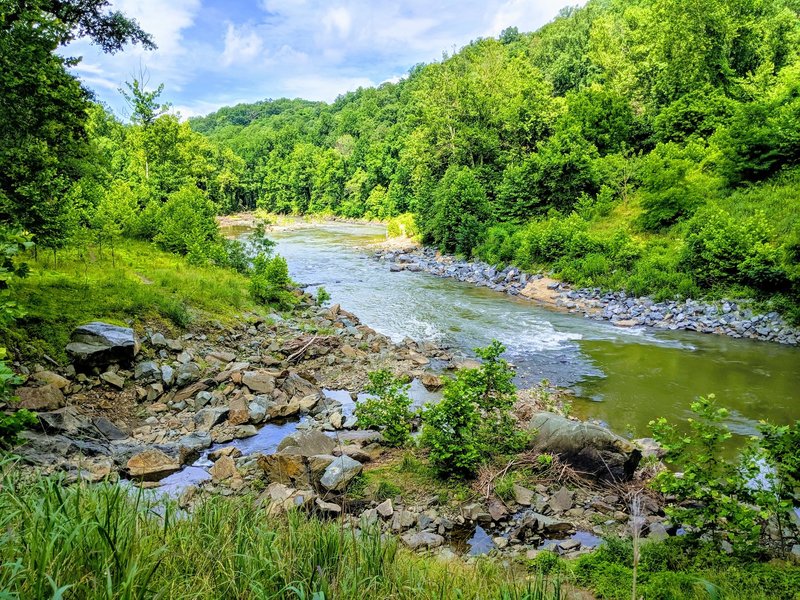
column 721, row 250
column 186, row 222
column 388, row 410
column 473, row 419
column 712, row 496
column 270, row 282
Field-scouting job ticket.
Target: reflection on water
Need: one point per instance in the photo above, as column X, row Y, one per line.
column 624, row 377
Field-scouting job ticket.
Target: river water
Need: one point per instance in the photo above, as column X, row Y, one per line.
column 623, row 377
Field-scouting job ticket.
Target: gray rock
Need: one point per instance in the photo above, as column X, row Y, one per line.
column 307, row 443
column 561, row 501
column 100, row 344
column 339, row 473
column 147, row 372
column 257, row 411
column 588, row 448
column 423, row 539
column 187, row 374
column 112, row 378
column 167, row 375
column 207, row 418
column 385, row 508
column 522, row 495
column 158, row 340
column 108, row 430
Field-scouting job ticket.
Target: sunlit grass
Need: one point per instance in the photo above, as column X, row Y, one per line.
column 139, row 283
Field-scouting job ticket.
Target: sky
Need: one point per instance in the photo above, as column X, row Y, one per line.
column 213, row 53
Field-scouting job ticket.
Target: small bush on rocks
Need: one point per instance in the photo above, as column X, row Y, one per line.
column 473, row 419
column 389, row 408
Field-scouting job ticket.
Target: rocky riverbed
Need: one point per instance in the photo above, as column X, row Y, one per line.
column 264, row 407
column 731, row 318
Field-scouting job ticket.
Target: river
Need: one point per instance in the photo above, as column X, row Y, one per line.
column 623, row 377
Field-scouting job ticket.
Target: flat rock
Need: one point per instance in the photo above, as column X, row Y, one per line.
column 100, row 344
column 54, row 379
column 423, row 539
column 45, row 398
column 224, row 468
column 307, row 443
column 259, row 382
column 151, row 465
column 561, row 501
column 114, row 379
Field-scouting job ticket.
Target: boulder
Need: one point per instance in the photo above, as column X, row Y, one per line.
column 288, row 469
column 328, row 507
column 431, row 382
column 259, row 382
column 385, row 508
column 307, row 443
column 588, row 448
column 100, row 344
column 45, row 398
column 339, row 473
column 294, row 385
column 238, row 412
column 151, row 465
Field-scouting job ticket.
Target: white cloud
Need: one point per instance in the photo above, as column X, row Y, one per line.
column 216, row 53
column 338, row 20
column 242, row 44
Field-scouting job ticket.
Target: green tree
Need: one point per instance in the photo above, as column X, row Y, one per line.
column 43, row 108
column 459, row 212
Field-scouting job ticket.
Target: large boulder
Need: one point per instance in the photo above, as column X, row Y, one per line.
column 339, row 473
column 588, row 448
column 100, row 344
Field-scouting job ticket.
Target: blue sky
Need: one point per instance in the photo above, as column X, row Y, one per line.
column 214, row 53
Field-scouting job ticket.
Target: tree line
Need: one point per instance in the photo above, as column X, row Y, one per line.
column 650, row 145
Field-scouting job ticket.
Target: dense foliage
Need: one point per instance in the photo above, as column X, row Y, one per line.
column 727, row 500
column 658, row 137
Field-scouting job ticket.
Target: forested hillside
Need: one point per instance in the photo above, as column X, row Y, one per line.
column 648, row 145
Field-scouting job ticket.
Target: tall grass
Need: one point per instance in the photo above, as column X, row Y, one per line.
column 105, row 542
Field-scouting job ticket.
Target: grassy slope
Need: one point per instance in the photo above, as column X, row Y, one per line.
column 142, row 283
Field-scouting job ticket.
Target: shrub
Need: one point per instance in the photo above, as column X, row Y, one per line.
column 473, row 419
column 712, row 496
column 11, row 424
column 389, row 410
column 721, row 250
column 270, row 282
column 322, row 296
column 402, row 226
column 186, row 222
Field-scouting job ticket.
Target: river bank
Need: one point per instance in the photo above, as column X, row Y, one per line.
column 727, row 317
